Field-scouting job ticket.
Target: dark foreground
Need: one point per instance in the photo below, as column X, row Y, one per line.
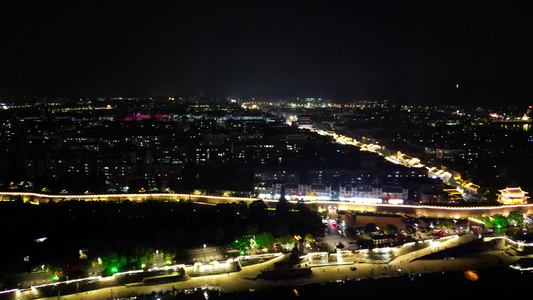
column 499, row 283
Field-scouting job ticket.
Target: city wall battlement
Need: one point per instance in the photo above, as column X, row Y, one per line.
column 416, row 210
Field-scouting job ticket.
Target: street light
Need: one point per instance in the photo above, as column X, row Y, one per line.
column 204, row 253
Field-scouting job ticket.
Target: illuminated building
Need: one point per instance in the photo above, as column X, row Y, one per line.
column 438, row 155
column 513, row 196
column 304, row 122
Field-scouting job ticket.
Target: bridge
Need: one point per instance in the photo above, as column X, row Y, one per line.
column 417, row 210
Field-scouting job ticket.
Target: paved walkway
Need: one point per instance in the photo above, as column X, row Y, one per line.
column 246, row 279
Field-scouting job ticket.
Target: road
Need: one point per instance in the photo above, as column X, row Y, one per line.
column 333, row 237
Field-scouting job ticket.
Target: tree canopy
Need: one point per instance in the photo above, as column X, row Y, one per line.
column 351, row 233
column 370, row 227
column 516, row 217
column 389, row 229
column 125, row 234
column 264, row 240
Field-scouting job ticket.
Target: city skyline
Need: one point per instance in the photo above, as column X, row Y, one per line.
column 423, row 53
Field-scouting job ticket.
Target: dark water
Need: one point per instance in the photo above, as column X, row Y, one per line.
column 494, row 283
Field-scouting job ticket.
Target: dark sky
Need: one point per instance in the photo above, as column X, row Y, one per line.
column 411, row 51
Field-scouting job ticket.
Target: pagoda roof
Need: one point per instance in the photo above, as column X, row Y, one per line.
column 517, row 190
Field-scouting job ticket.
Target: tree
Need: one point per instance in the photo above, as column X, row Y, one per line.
column 113, row 262
column 448, row 224
column 370, row 227
column 258, row 211
column 390, row 229
column 82, row 269
column 386, row 152
column 57, row 272
column 242, row 207
column 140, row 256
column 516, row 217
column 252, row 230
column 279, row 227
column 411, row 229
column 264, row 240
column 491, row 194
column 309, row 237
column 486, row 220
column 452, row 182
column 241, row 243
column 218, row 234
column 286, row 239
column 17, row 199
column 499, row 221
column 351, row 233
column 282, row 208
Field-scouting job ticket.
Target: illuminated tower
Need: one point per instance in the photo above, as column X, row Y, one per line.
column 512, row 196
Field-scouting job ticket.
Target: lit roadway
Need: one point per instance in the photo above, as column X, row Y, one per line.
column 247, row 278
column 400, row 159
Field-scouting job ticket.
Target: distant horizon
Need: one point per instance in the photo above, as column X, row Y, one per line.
column 344, row 100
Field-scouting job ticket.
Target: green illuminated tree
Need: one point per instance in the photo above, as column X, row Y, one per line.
column 241, row 243
column 264, row 240
column 57, row 272
column 113, row 262
column 168, row 256
column 499, row 221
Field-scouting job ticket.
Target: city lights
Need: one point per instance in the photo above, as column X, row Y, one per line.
column 320, row 149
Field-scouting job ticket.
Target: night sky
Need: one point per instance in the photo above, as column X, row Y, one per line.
column 409, row 51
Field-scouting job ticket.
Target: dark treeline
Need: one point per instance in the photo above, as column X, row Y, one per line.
column 131, row 229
